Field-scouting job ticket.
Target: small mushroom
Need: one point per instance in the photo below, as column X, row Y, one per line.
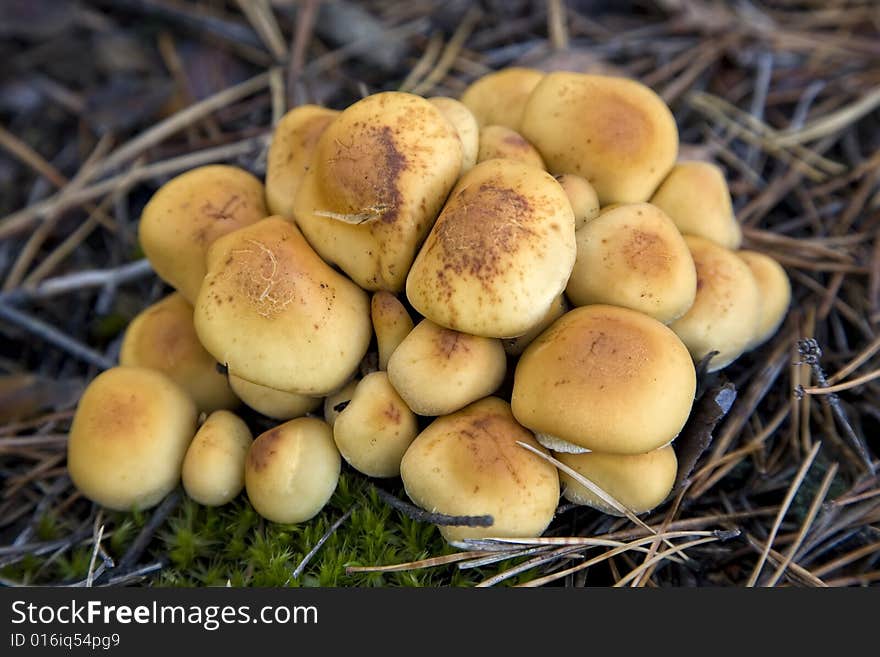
column 633, row 256
column 639, row 482
column 500, row 253
column 465, row 124
column 499, row 98
column 292, row 470
column 335, row 402
column 162, row 337
column 379, row 176
column 279, row 316
column 391, row 323
column 129, row 435
column 469, row 463
column 515, row 346
column 615, row 132
column 290, row 154
column 582, row 196
column 213, row 469
column 696, row 197
column 605, row 379
column 437, row 370
column 276, row 404
column 775, row 291
column 374, row 430
column 727, row 308
column 189, row 212
column 499, row 141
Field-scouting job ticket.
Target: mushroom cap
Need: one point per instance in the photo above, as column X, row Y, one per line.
column 615, row 132
column 469, row 463
column 500, row 253
column 515, row 346
column 437, row 370
column 638, row 481
column 279, row 316
column 606, row 379
column 775, row 291
column 582, row 196
column 379, row 176
column 499, row 98
column 465, row 124
column 128, row 438
column 727, row 308
column 696, row 197
column 391, row 323
column 292, row 470
column 276, row 404
column 162, row 337
column 376, row 428
column 189, row 212
column 213, row 468
column 498, row 141
column 290, row 154
column 338, row 400
column 633, row 256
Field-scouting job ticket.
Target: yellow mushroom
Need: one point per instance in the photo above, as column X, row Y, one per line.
column 582, row 196
column 498, row 141
column 499, row 98
column 213, row 468
column 276, row 404
column 775, row 291
column 465, row 124
column 391, row 323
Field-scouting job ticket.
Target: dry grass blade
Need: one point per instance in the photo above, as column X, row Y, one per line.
column 783, row 509
column 833, row 122
column 659, row 557
column 447, row 58
column 414, row 565
column 311, row 554
column 865, row 355
column 846, row 385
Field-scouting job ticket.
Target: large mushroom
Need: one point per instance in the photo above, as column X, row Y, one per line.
column 277, row 315
column 499, row 98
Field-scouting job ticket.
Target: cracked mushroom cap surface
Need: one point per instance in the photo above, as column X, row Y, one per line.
column 378, row 178
column 188, row 213
column 615, row 132
column 277, row 315
column 162, row 337
column 290, row 154
column 727, row 307
column 128, row 438
column 438, row 370
column 500, row 253
column 605, row 379
column 499, row 98
column 638, row 481
column 633, row 256
column 469, row 463
column 696, row 197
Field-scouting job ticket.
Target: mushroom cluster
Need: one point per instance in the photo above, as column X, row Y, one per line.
column 438, row 290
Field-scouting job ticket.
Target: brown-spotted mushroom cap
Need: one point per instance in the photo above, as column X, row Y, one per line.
column 582, row 196
column 696, row 197
column 378, row 178
column 189, row 212
column 515, row 346
column 376, row 428
column 290, row 154
column 605, row 379
column 465, row 124
column 500, row 253
column 292, row 470
column 335, row 402
column 775, row 291
column 162, row 337
column 615, row 132
column 727, row 308
column 128, row 438
column 277, row 315
column 391, row 323
column 638, row 481
column 276, row 404
column 633, row 256
column 469, row 463
column 499, row 98
column 500, row 141
column 213, row 469
column 438, row 370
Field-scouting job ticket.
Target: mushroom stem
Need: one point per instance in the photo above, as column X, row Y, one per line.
column 415, row 513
